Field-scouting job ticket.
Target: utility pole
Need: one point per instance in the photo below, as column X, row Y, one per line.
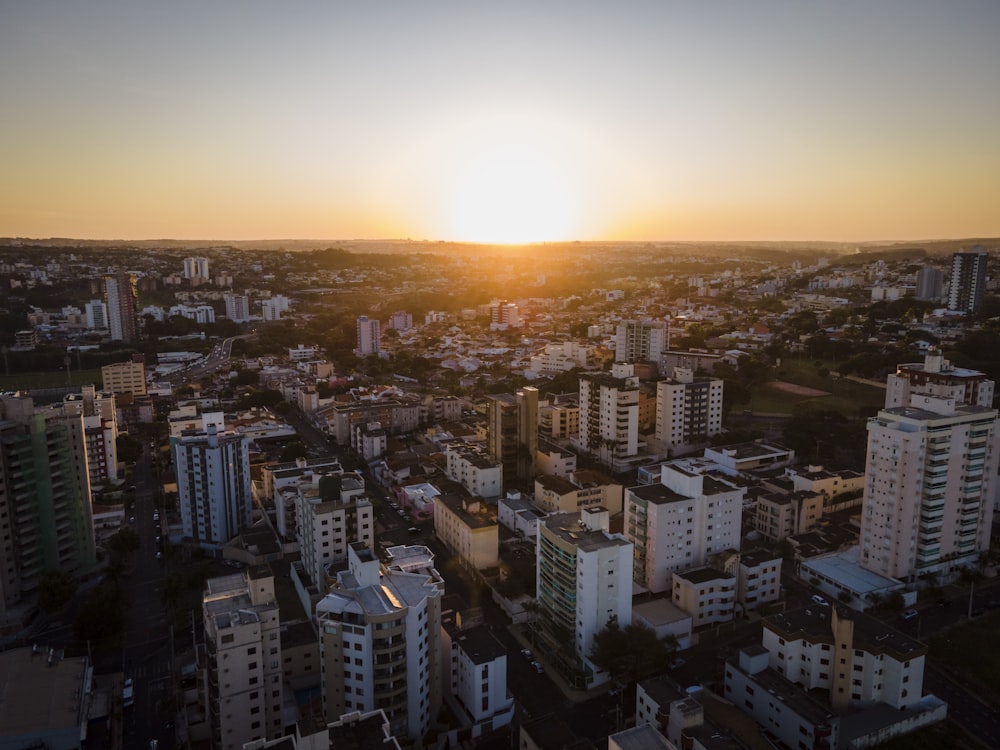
column 972, row 587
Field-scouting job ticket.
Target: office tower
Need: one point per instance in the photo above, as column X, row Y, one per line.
column 968, row 280
column 641, row 341
column 242, row 658
column 688, row 410
column 609, row 417
column 931, row 473
column 583, row 581
column 196, row 268
column 121, row 299
column 930, row 284
column 97, row 315
column 237, row 308
column 125, row 377
column 332, row 514
column 369, row 338
column 380, row 639
column 938, row 377
column 45, row 510
column 693, row 512
column 512, row 433
column 213, row 483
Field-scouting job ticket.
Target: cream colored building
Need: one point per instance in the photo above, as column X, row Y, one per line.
column 468, row 529
column 780, row 515
column 124, row 377
column 707, row 594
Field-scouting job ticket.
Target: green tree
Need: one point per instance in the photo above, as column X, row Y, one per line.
column 124, row 542
column 295, row 449
column 55, row 589
column 129, row 448
column 631, row 652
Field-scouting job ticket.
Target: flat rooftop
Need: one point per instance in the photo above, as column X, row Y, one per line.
column 35, row 697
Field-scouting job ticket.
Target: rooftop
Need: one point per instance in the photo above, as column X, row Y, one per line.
column 36, row 697
column 813, row 624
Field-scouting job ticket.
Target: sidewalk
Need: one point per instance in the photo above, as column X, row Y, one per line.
column 577, row 696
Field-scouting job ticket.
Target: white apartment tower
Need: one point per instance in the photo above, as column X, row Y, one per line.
column 369, row 337
column 97, row 315
column 213, row 483
column 641, row 340
column 967, row 284
column 609, row 417
column 380, row 639
column 583, row 580
column 237, row 308
column 331, row 515
column 196, row 267
column 938, row 377
column 688, row 409
column 242, row 658
column 121, row 300
column 929, row 484
column 675, row 525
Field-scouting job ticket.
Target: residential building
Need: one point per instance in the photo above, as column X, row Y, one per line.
column 967, row 284
column 468, row 528
column 281, row 486
column 45, row 510
column 504, row 315
column 559, row 417
column 512, row 433
column 758, row 576
column 237, row 307
column 213, row 483
column 474, row 674
column 370, row 441
column 707, row 594
column 561, row 357
column 121, row 299
column 781, row 515
column 380, row 639
column 331, row 515
column 829, row 483
column 401, row 321
column 936, row 376
column 930, row 284
column 609, row 417
column 580, row 489
column 641, row 341
column 369, row 337
column 677, row 523
column 242, row 658
column 471, row 467
column 642, row 737
column 125, row 377
column 688, row 410
column 196, row 267
column 97, row 315
column 583, row 582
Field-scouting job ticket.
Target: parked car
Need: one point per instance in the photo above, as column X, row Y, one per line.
column 537, row 666
column 820, row 600
column 526, row 653
column 908, row 614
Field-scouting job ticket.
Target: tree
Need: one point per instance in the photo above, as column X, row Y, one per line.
column 124, row 542
column 631, row 652
column 129, row 448
column 55, row 589
column 295, row 449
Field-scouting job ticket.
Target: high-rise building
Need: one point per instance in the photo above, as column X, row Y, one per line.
column 213, row 483
column 931, row 473
column 968, row 280
column 237, row 307
column 97, row 315
column 938, row 377
column 242, row 658
column 504, row 315
column 641, row 341
column 693, row 512
column 125, row 377
column 369, row 337
column 512, row 433
column 930, row 284
column 196, row 267
column 380, row 639
column 121, row 299
column 609, row 416
column 401, row 321
column 583, row 581
column 331, row 515
column 688, row 409
column 45, row 509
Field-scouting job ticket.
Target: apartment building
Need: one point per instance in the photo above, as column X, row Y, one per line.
column 691, row 513
column 473, row 468
column 475, row 675
column 242, row 658
column 641, row 340
column 707, row 594
column 583, row 580
column 369, row 337
column 125, row 377
column 967, row 283
column 512, row 433
column 580, row 489
column 121, row 299
column 936, row 376
column 780, row 515
column 559, row 417
column 609, row 416
column 468, row 528
column 688, row 410
column 380, row 639
column 213, row 483
column 237, row 307
column 332, row 514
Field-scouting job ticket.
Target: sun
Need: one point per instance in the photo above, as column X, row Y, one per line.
column 511, row 194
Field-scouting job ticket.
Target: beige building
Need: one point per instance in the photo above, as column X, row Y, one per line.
column 467, row 528
column 125, row 377
column 779, row 515
column 331, row 514
column 707, row 594
column 242, row 658
column 579, row 490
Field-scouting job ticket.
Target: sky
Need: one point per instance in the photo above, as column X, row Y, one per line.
column 506, row 122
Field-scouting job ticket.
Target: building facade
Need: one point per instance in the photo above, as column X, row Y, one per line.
column 609, row 417
column 121, row 299
column 967, row 284
column 369, row 337
column 688, row 410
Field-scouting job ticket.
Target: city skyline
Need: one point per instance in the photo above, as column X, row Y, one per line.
column 501, row 123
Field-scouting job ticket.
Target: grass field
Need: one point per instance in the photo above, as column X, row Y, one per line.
column 24, row 380
column 962, row 650
column 846, row 396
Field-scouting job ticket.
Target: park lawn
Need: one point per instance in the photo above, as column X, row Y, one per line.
column 33, row 380
column 846, row 396
column 962, row 651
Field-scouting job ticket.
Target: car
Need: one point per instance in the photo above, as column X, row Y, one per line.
column 156, row 516
column 528, row 656
column 414, row 530
column 820, row 600
column 908, row 614
column 131, row 519
column 159, row 555
column 537, row 666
